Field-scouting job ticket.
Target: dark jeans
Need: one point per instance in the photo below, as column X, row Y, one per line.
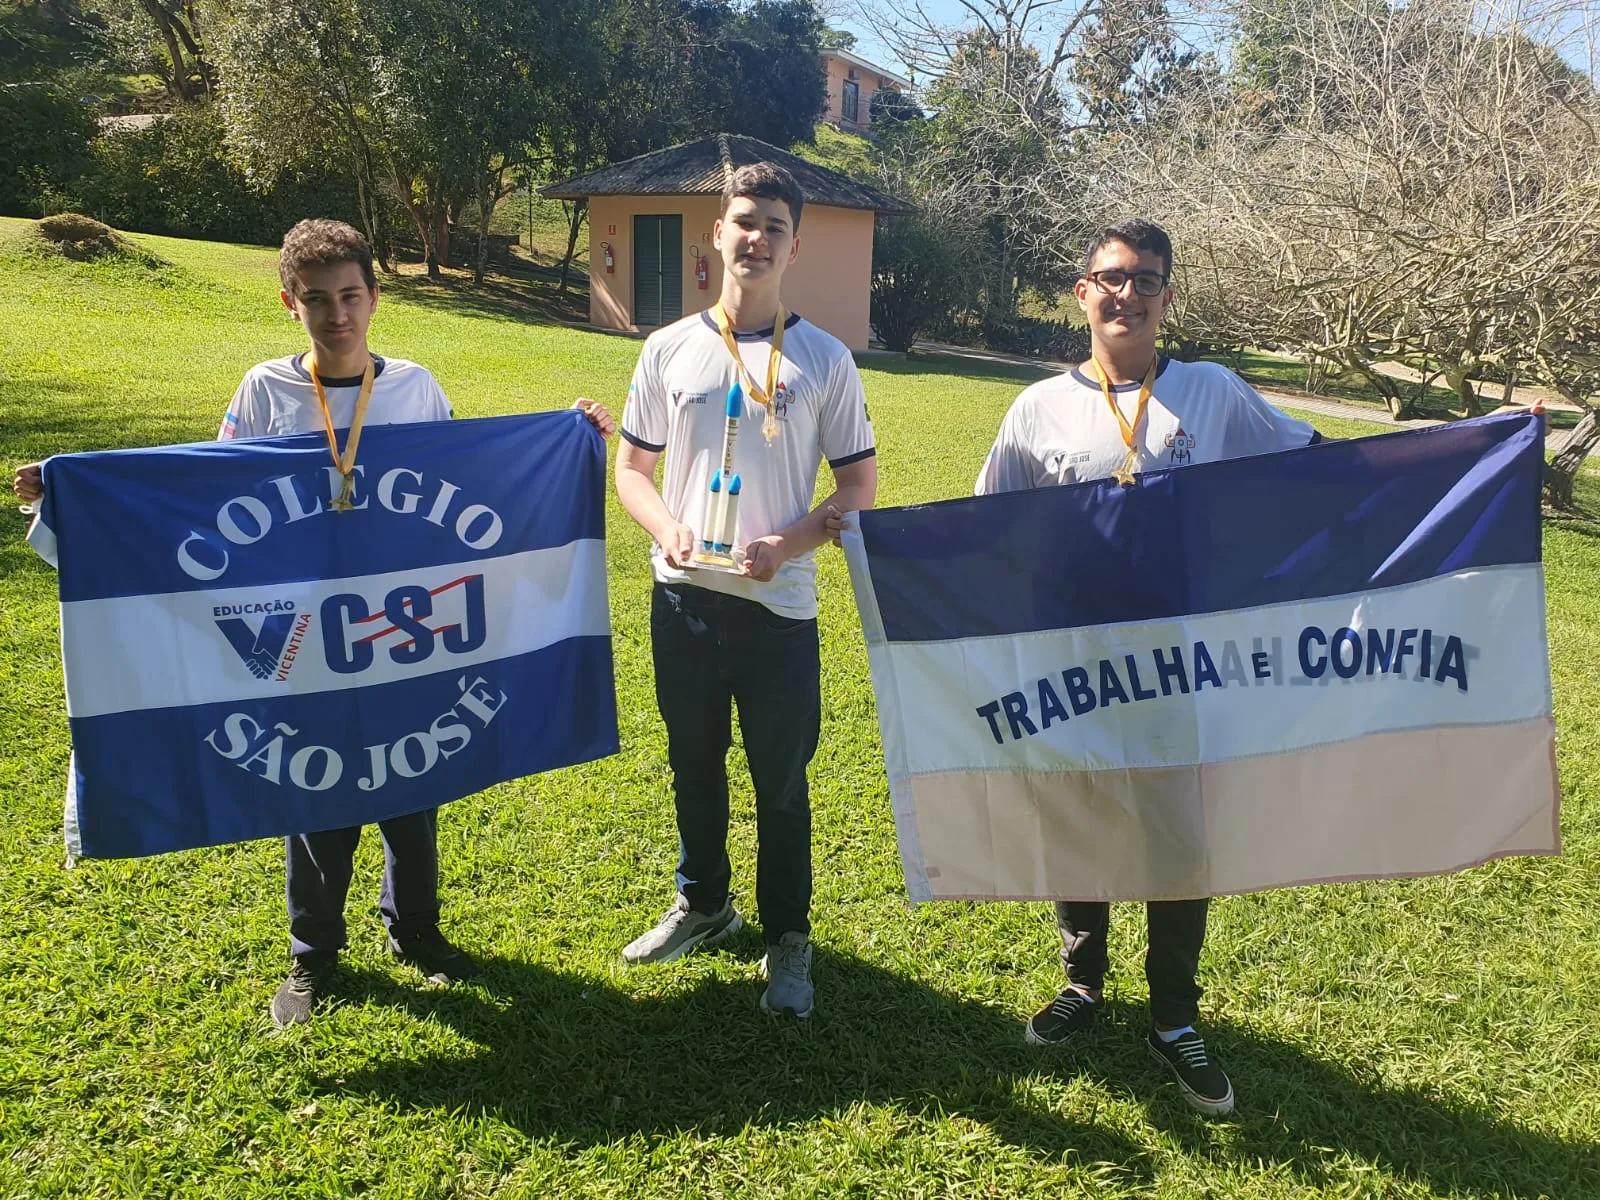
column 1177, row 931
column 319, row 878
column 713, row 651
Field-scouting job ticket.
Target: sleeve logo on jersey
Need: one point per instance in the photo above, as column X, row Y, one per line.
column 1182, row 446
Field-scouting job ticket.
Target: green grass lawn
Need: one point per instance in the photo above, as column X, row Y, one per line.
column 1426, row 1038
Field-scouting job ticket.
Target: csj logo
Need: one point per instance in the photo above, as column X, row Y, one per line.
column 412, row 622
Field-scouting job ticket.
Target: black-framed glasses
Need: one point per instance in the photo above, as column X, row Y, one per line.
column 1145, row 283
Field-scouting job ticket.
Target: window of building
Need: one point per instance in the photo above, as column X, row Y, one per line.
column 850, row 103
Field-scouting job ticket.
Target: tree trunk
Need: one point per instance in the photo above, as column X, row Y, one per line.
column 1564, row 467
column 439, row 250
column 480, row 260
column 1511, row 385
column 1459, row 377
column 180, row 69
column 368, row 220
column 579, row 207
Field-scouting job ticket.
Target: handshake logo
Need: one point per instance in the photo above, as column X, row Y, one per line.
column 267, row 649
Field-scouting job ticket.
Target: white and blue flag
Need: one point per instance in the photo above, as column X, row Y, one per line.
column 1328, row 663
column 243, row 661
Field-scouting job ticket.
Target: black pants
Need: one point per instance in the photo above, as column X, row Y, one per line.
column 1177, row 931
column 319, row 879
column 713, row 651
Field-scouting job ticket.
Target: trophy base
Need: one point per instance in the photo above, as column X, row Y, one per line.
column 710, row 560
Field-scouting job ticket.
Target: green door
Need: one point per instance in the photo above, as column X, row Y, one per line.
column 657, row 270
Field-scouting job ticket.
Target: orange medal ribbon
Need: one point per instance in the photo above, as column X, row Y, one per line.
column 769, row 427
column 1126, row 474
column 345, row 462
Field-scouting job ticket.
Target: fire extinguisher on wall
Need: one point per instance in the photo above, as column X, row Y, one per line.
column 611, row 260
column 702, row 278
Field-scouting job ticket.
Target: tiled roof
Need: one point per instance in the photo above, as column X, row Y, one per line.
column 699, row 169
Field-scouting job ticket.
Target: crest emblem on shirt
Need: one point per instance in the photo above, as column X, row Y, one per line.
column 1182, row 446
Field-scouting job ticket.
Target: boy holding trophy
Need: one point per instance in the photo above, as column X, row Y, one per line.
column 745, row 401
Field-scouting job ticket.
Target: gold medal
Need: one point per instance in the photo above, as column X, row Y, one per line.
column 1129, row 471
column 769, row 427
column 346, row 462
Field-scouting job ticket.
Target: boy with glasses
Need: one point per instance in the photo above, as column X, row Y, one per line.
column 1126, row 411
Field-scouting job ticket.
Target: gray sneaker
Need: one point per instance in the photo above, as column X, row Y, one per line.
column 680, row 931
column 787, row 968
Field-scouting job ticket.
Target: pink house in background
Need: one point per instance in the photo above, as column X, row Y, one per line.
column 852, row 82
column 650, row 255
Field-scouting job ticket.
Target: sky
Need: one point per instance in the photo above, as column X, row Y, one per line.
column 1569, row 21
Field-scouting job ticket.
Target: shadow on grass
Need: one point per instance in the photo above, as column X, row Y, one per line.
column 573, row 1058
column 525, row 294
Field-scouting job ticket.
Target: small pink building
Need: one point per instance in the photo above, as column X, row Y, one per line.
column 852, row 82
column 650, row 255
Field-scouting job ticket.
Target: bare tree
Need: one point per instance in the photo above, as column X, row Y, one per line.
column 1396, row 183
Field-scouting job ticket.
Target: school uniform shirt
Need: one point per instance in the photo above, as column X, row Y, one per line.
column 1060, row 430
column 278, row 397
column 678, row 404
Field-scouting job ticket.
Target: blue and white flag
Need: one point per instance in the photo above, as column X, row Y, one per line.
column 242, row 661
column 1324, row 664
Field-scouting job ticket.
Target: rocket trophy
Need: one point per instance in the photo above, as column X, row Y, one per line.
column 714, row 551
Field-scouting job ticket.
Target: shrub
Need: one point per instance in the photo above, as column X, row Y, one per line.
column 915, row 278
column 44, row 145
column 177, row 177
column 1035, row 337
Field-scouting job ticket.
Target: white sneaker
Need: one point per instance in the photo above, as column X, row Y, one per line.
column 680, row 931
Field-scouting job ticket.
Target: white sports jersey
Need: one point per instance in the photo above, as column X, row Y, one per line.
column 678, row 404
column 1060, row 430
column 278, row 397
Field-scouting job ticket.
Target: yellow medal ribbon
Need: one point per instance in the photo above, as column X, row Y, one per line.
column 345, row 462
column 1126, row 473
column 769, row 427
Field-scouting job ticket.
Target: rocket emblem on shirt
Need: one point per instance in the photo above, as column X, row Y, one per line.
column 1182, row 445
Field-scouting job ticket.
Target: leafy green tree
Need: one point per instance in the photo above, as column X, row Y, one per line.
column 165, row 36
column 430, row 101
column 1129, row 62
column 917, row 278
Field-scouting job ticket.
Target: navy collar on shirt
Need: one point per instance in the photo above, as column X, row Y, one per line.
column 337, row 381
column 1162, row 363
column 755, row 335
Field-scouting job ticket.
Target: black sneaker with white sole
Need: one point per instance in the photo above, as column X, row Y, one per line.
column 1201, row 1082
column 308, row 982
column 1069, row 1013
column 439, row 960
